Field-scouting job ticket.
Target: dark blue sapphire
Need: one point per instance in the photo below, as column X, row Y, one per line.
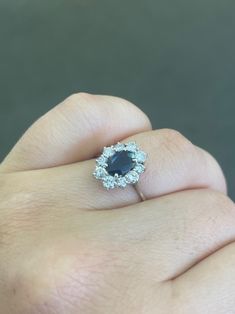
column 120, row 163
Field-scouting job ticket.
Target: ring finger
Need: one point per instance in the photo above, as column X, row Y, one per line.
column 173, row 164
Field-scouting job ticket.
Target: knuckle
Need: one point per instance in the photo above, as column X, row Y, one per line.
column 76, row 102
column 80, row 106
column 76, row 97
column 217, row 200
column 22, row 210
column 54, row 283
column 128, row 108
column 57, row 280
column 123, row 103
column 174, row 141
column 97, row 110
column 39, row 286
column 175, row 137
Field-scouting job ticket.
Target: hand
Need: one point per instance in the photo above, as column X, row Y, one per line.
column 68, row 246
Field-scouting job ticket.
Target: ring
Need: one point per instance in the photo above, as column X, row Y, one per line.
column 120, row 165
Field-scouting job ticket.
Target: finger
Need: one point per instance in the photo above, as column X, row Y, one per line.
column 209, row 287
column 175, row 232
column 75, row 130
column 173, row 164
column 131, row 249
column 171, row 233
column 165, row 237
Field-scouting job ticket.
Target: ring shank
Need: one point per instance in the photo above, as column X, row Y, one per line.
column 141, row 194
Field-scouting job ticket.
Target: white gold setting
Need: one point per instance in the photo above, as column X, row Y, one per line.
column 137, row 158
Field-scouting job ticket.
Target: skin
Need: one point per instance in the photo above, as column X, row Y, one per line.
column 68, row 246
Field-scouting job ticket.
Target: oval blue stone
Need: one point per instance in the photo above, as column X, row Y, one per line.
column 120, row 163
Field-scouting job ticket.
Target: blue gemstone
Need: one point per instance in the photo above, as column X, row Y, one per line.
column 120, row 163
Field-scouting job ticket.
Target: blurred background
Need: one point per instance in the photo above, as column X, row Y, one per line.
column 175, row 59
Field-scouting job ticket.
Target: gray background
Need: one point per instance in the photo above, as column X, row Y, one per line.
column 173, row 58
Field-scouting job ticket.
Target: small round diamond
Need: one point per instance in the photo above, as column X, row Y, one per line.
column 109, row 182
column 139, row 168
column 121, row 182
column 102, row 161
column 108, row 152
column 131, row 147
column 100, row 173
column 119, row 147
column 132, row 177
column 140, row 156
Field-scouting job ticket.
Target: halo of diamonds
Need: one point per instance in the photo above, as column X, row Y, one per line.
column 132, row 177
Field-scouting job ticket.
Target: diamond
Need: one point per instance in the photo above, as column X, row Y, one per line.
column 131, row 147
column 121, row 182
column 102, row 161
column 120, row 163
column 132, row 177
column 108, row 151
column 139, row 168
column 119, row 147
column 140, row 156
column 109, row 182
column 99, row 173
